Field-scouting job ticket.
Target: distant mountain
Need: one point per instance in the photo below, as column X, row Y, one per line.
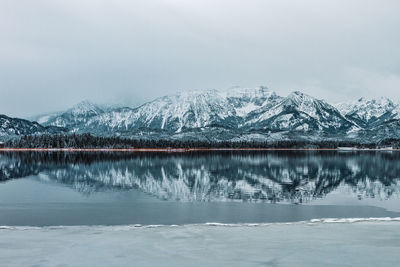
column 223, row 115
column 12, row 127
column 299, row 112
column 43, row 118
column 187, row 111
column 73, row 117
column 377, row 118
column 236, row 114
column 370, row 112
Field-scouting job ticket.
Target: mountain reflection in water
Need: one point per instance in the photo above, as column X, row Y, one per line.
column 291, row 176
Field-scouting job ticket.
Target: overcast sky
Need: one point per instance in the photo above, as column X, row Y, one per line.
column 56, row 53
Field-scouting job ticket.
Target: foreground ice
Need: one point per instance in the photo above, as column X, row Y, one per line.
column 316, row 243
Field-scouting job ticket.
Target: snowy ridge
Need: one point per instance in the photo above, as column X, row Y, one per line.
column 300, row 112
column 236, row 114
column 12, row 127
column 247, row 100
column 238, row 110
column 370, row 112
column 74, row 116
column 188, row 110
column 367, row 109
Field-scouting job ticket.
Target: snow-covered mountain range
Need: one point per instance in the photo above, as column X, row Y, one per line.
column 235, row 114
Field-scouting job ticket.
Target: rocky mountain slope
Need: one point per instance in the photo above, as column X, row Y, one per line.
column 299, row 112
column 13, row 127
column 72, row 118
column 370, row 112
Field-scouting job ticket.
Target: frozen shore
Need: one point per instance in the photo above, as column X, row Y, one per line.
column 316, row 243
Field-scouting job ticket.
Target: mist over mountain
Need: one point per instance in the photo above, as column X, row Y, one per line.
column 238, row 114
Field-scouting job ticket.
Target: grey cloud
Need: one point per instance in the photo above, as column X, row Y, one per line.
column 56, row 53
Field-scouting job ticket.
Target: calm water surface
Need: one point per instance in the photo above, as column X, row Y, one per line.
column 232, row 187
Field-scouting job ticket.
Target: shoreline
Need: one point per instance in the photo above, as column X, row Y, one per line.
column 182, row 150
column 315, row 221
column 302, row 245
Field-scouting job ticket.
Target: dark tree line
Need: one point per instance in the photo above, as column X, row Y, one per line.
column 90, row 141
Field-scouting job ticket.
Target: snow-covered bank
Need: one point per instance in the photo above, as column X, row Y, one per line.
column 369, row 242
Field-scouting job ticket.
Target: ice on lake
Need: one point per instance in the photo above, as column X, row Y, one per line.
column 365, row 243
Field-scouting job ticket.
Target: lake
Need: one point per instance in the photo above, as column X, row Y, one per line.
column 237, row 208
column 120, row 188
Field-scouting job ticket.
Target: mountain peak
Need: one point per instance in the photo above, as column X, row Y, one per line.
column 297, row 94
column 85, row 107
column 298, row 97
column 366, row 110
